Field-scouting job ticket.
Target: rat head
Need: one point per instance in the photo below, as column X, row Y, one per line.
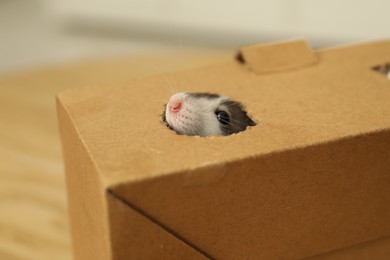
column 205, row 114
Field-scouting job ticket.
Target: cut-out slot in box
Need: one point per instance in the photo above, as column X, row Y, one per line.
column 312, row 179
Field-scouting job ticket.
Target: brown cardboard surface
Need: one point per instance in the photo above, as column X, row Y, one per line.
column 313, row 176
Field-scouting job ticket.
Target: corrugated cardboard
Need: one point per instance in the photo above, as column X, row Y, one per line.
column 312, row 179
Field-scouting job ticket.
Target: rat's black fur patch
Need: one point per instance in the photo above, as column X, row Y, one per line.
column 238, row 116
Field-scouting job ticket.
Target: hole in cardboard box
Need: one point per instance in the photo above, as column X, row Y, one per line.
column 383, row 69
column 205, row 114
column 239, row 57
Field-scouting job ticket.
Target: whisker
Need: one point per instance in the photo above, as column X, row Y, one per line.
column 230, row 123
column 166, row 79
column 237, row 121
column 174, row 81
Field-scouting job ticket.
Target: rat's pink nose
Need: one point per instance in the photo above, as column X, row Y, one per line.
column 175, row 106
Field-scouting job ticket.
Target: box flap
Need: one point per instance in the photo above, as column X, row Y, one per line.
column 280, row 56
column 136, row 236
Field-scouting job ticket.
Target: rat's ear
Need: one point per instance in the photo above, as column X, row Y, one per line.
column 248, row 121
column 239, row 116
column 238, row 111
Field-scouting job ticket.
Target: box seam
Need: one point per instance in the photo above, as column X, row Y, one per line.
column 345, row 248
column 111, row 193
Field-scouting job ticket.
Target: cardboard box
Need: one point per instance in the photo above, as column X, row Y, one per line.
column 312, row 179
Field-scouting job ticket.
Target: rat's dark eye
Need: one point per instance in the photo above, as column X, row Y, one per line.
column 222, row 117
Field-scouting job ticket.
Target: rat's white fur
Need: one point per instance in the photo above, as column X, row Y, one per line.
column 196, row 116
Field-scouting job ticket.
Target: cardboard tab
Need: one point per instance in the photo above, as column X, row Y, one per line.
column 274, row 57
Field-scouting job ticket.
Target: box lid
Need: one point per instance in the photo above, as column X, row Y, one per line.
column 338, row 97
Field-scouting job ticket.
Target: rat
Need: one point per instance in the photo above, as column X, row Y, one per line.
column 205, row 114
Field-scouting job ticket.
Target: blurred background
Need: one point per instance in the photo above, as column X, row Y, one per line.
column 47, row 46
column 41, row 32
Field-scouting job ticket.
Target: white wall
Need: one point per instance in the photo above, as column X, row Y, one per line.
column 333, row 20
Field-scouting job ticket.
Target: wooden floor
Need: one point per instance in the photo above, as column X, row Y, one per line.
column 33, row 211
